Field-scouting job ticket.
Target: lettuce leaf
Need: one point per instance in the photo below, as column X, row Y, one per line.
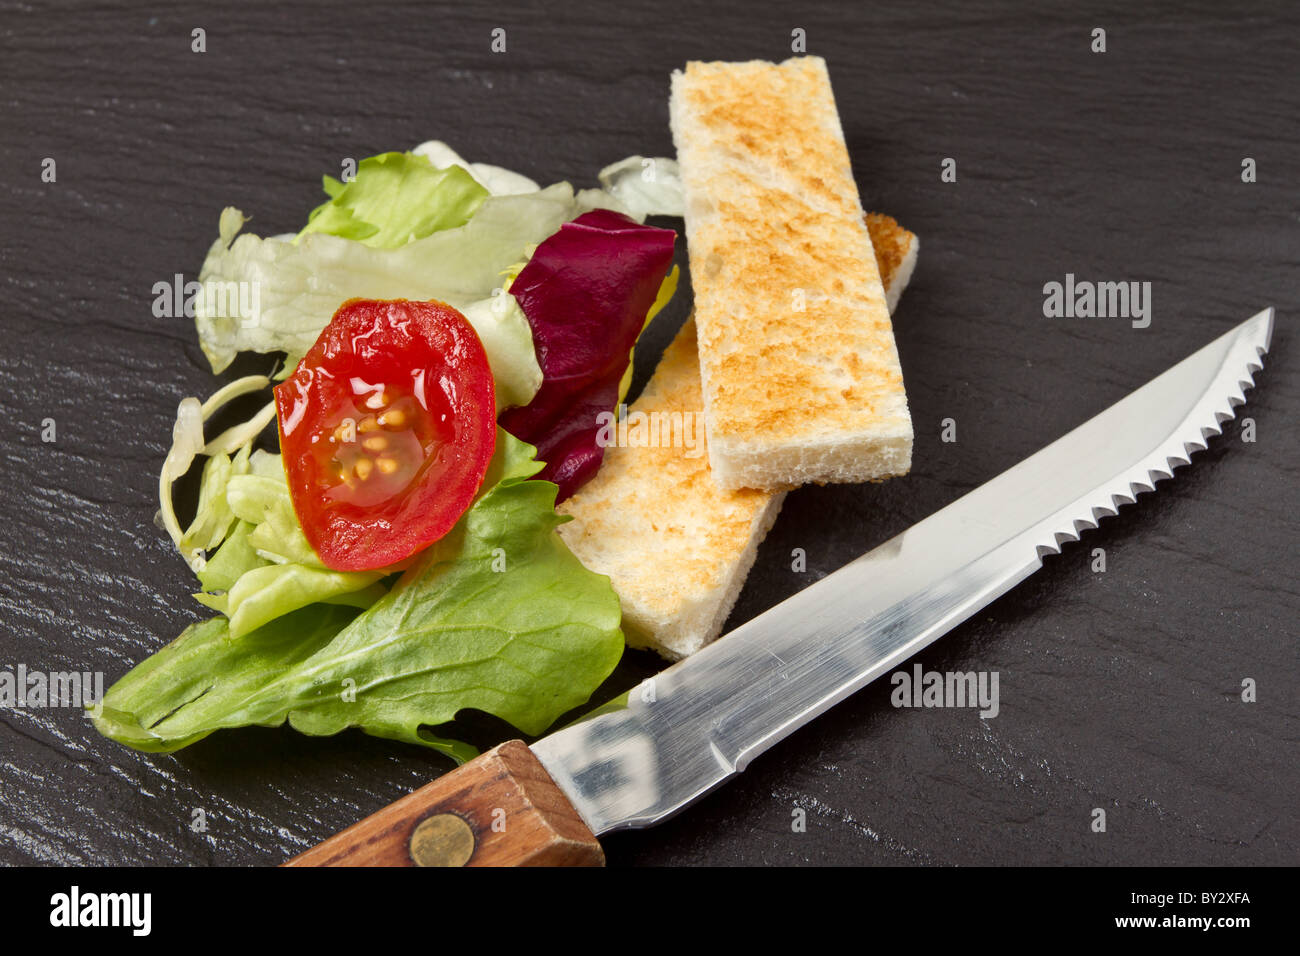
column 648, row 187
column 213, row 519
column 396, row 198
column 235, row 558
column 139, row 709
column 266, row 568
column 495, row 179
column 586, row 291
column 299, row 285
column 498, row 616
column 266, row 593
column 212, row 522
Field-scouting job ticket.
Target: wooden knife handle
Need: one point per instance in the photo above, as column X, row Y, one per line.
column 500, row 809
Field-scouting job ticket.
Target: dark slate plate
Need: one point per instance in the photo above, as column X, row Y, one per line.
column 1119, row 690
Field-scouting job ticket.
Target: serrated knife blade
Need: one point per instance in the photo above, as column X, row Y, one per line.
column 704, row 719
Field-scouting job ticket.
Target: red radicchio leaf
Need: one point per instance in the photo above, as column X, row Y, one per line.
column 586, row 292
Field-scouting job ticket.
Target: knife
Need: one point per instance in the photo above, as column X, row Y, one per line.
column 688, row 729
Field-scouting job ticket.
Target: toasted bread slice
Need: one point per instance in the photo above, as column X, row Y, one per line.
column 896, row 250
column 801, row 378
column 676, row 546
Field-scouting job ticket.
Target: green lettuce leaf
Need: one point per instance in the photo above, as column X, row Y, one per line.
column 233, row 559
column 137, row 710
column 213, row 519
column 267, row 568
column 266, row 503
column 497, row 616
column 263, row 594
column 396, row 198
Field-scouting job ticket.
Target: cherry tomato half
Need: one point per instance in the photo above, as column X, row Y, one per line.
column 387, row 427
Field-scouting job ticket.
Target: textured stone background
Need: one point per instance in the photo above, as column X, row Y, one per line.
column 1119, row 690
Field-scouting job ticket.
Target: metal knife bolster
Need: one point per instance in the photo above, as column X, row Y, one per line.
column 703, row 719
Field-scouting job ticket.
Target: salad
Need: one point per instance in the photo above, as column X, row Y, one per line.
column 452, row 333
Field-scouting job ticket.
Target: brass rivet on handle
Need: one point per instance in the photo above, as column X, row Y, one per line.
column 442, row 840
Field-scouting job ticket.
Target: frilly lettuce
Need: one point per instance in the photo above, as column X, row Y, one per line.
column 498, row 616
column 211, row 524
column 263, row 567
column 271, row 570
column 394, row 199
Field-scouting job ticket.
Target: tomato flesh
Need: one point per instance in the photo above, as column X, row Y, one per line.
column 387, row 427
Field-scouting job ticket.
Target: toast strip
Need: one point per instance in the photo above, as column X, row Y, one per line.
column 801, row 378
column 675, row 545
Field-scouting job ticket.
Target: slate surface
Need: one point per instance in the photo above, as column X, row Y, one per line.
column 1119, row 690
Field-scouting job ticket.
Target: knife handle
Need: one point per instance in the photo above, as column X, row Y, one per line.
column 500, row 809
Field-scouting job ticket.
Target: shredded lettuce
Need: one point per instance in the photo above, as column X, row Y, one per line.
column 187, row 444
column 612, row 195
column 266, row 593
column 498, row 616
column 263, row 567
column 214, row 519
column 416, row 225
column 238, row 436
column 264, row 501
column 500, row 324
